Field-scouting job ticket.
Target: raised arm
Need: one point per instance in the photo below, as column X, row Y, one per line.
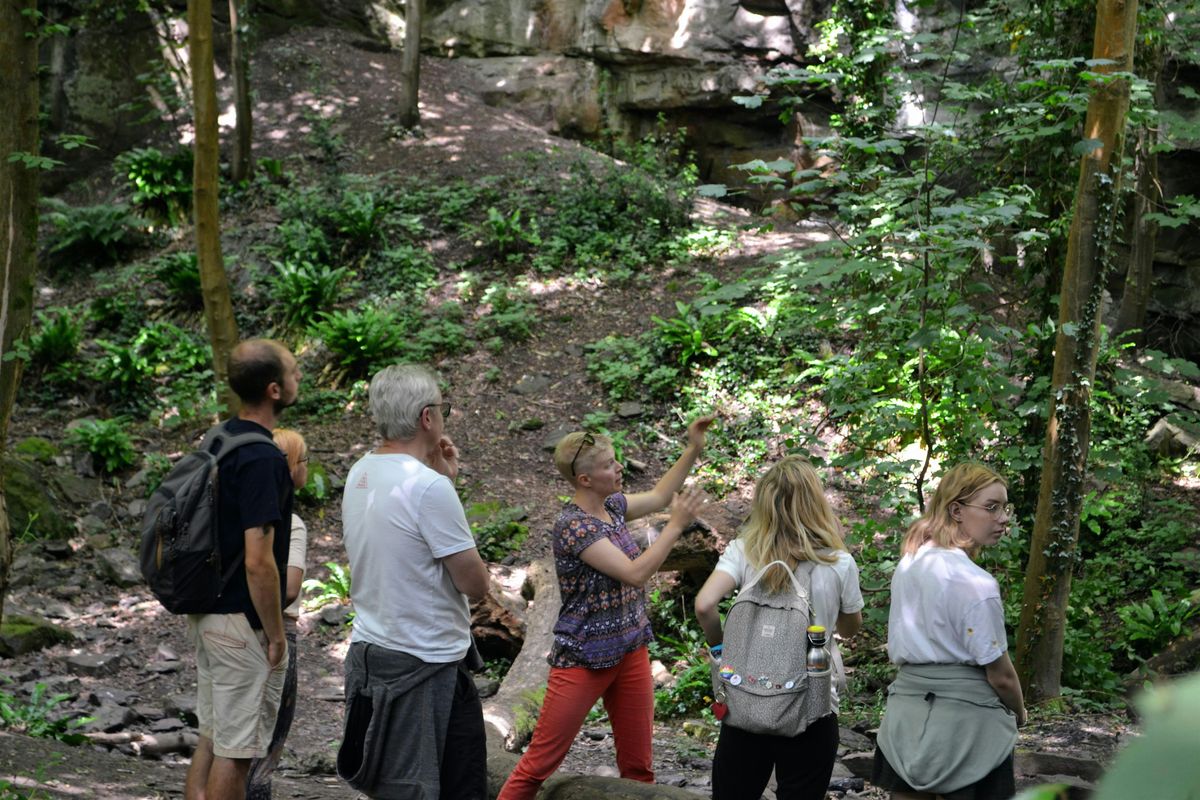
column 606, row 557
column 643, row 503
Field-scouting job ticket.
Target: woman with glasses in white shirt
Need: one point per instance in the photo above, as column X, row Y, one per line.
column 953, row 711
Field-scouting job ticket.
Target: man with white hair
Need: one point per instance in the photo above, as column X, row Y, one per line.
column 414, row 722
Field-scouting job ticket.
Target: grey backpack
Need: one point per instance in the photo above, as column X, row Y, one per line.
column 180, row 551
column 762, row 677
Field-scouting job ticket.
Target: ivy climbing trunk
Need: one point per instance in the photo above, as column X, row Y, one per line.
column 214, row 283
column 242, row 166
column 18, row 218
column 410, row 64
column 1090, row 255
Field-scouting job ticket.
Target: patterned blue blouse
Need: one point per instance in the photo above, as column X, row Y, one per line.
column 602, row 619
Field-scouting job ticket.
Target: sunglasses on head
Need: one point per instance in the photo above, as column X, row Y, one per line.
column 587, row 441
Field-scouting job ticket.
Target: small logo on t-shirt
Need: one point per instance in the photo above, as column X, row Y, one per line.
column 768, row 631
column 362, row 482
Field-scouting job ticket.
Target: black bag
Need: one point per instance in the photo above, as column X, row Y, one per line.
column 180, row 550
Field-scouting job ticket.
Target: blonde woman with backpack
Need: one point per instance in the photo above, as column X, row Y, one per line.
column 790, row 521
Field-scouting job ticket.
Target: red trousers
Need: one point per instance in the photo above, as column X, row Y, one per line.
column 628, row 693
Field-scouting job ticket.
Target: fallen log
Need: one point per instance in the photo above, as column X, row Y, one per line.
column 1181, row 655
column 148, row 744
column 529, row 670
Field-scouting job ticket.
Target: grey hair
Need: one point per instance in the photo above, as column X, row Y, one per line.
column 397, row 395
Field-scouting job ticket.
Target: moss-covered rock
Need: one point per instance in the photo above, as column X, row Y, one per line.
column 30, row 506
column 37, row 449
column 20, row 635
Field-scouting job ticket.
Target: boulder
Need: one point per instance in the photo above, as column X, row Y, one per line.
column 32, row 505
column 20, row 635
column 119, row 567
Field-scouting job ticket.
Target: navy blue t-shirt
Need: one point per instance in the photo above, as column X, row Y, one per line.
column 254, row 490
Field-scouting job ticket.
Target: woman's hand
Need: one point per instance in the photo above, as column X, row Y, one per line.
column 698, row 430
column 684, row 508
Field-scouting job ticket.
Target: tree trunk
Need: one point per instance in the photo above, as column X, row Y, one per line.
column 214, row 284
column 410, row 64
column 1143, row 233
column 18, row 219
column 239, row 24
column 1089, row 254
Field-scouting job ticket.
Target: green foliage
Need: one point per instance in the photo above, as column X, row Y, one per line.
column 499, row 531
column 302, row 289
column 364, row 339
column 157, row 466
column 335, row 589
column 316, row 490
column 38, row 717
column 679, row 643
column 507, row 235
column 179, row 272
column 161, row 182
column 510, row 314
column 161, row 356
column 625, row 365
column 361, row 340
column 1167, row 749
column 95, row 235
column 106, row 441
column 55, row 338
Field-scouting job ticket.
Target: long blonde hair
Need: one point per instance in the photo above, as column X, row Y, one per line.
column 790, row 520
column 937, row 525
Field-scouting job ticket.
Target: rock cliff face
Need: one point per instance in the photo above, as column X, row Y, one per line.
column 581, row 66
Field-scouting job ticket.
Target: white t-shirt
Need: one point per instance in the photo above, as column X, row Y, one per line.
column 945, row 610
column 835, row 590
column 399, row 519
column 297, row 553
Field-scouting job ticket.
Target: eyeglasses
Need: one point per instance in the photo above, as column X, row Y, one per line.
column 445, row 407
column 587, row 441
column 304, row 460
column 994, row 509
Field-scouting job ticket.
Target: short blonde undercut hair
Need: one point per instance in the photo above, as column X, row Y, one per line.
column 572, row 447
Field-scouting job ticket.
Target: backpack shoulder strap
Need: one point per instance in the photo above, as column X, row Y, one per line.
column 783, row 564
column 219, row 434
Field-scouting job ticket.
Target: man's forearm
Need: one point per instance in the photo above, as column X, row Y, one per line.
column 264, row 594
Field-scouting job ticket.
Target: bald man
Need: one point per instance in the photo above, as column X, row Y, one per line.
column 241, row 652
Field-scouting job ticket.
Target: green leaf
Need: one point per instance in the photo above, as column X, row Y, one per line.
column 712, row 190
column 750, row 101
column 1085, row 146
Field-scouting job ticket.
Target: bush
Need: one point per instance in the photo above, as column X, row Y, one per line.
column 361, row 340
column 302, row 289
column 107, row 442
column 55, row 338
column 95, row 235
column 37, row 717
column 179, row 272
column 510, row 316
column 161, row 182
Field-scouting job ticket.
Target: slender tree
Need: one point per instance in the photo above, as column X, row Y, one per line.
column 18, row 217
column 214, row 284
column 1142, row 230
column 242, row 166
column 1090, row 252
column 410, row 64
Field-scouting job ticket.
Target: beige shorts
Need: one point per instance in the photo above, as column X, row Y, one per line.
column 237, row 691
